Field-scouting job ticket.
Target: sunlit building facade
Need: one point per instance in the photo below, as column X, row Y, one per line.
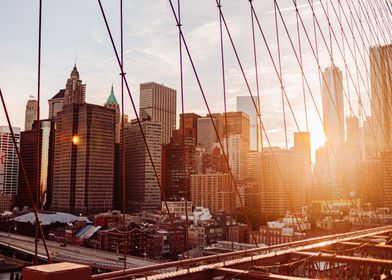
column 247, row 105
column 30, row 113
column 84, row 156
column 381, row 96
column 10, row 162
column 212, row 191
column 283, row 186
column 142, row 186
column 158, row 103
column 28, row 151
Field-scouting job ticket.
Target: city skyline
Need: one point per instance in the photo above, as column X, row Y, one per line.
column 144, row 63
column 176, row 135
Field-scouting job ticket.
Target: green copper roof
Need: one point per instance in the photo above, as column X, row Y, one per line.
column 112, row 99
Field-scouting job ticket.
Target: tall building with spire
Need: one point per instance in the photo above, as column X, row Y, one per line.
column 75, row 90
column 30, row 113
column 83, row 172
column 112, row 103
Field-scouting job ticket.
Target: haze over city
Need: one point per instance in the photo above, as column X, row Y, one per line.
column 209, row 139
column 151, row 54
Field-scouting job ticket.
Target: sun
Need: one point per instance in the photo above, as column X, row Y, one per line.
column 317, row 136
column 75, row 139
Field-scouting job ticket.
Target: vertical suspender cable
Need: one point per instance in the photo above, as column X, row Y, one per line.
column 149, row 153
column 259, row 137
column 254, row 103
column 38, row 148
column 209, row 112
column 184, row 151
column 340, row 48
column 301, row 65
column 344, row 55
column 282, row 93
column 329, row 31
column 259, row 130
column 25, row 177
column 281, row 77
column 122, row 149
column 219, row 5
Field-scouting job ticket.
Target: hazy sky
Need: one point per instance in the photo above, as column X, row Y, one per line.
column 74, row 30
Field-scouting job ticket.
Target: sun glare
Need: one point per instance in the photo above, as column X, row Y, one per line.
column 75, row 139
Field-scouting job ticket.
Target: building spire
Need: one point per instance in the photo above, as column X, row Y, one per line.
column 112, row 98
column 75, row 73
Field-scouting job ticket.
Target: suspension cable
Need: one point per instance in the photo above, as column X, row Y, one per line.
column 257, row 109
column 210, row 114
column 38, row 134
column 282, row 91
column 139, row 123
column 123, row 132
column 346, row 63
column 362, row 58
column 349, row 72
column 259, row 137
column 304, row 76
column 301, row 65
column 334, row 153
column 225, row 121
column 22, row 167
column 184, row 156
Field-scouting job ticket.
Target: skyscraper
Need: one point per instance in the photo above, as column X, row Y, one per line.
column 381, row 95
column 333, row 108
column 56, row 104
column 28, row 152
column 9, row 180
column 206, row 135
column 30, row 113
column 283, row 186
column 386, row 175
column 142, row 188
column 370, row 181
column 369, row 147
column 353, row 131
column 75, row 90
column 180, row 162
column 113, row 104
column 84, row 154
column 333, row 117
column 236, row 140
column 302, row 146
column 159, row 103
column 237, row 155
column 237, row 123
column 212, row 191
column 247, row 105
